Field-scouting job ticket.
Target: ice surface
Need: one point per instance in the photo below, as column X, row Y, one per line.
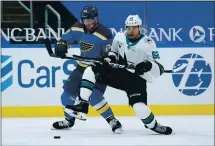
column 189, row 130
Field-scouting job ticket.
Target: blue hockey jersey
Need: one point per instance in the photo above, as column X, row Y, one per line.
column 92, row 44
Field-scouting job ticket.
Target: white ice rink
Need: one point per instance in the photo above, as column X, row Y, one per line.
column 189, row 130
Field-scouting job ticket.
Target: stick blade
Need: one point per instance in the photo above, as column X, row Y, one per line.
column 168, row 71
column 49, row 47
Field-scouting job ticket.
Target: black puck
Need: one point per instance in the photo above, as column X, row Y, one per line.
column 56, row 137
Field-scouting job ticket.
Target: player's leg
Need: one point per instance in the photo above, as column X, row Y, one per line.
column 86, row 89
column 69, row 95
column 69, row 120
column 137, row 94
column 89, row 89
column 98, row 102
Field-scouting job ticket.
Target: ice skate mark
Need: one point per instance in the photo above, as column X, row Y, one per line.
column 92, row 133
column 204, row 135
column 195, row 134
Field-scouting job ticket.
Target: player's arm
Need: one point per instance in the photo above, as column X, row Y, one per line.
column 113, row 53
column 71, row 36
column 151, row 64
column 106, row 44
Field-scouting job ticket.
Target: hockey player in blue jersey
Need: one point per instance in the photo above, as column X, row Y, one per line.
column 128, row 47
column 95, row 40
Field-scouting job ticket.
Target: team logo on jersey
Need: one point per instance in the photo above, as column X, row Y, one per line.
column 6, row 72
column 85, row 47
column 155, row 55
column 192, row 74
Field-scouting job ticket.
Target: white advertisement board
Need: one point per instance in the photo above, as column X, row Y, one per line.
column 31, row 78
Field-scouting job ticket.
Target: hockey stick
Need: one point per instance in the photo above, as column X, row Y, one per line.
column 51, row 53
column 81, row 58
column 87, row 59
column 128, row 66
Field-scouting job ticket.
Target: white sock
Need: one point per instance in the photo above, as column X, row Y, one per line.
column 87, row 83
column 144, row 113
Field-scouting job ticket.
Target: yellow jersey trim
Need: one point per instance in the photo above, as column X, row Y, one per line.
column 82, row 64
column 95, row 33
column 100, row 36
column 77, row 29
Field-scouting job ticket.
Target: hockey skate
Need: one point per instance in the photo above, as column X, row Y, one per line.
column 65, row 124
column 115, row 125
column 82, row 109
column 79, row 110
column 161, row 129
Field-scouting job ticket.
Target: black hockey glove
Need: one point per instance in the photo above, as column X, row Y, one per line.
column 100, row 69
column 106, row 63
column 110, row 59
column 113, row 59
column 143, row 67
column 61, row 48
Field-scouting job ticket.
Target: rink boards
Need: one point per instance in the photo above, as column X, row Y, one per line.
column 31, row 84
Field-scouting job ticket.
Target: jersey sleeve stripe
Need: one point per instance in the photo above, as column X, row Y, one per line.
column 100, row 35
column 77, row 29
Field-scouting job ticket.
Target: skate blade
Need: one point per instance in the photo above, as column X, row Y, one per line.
column 77, row 115
column 119, row 131
column 61, row 129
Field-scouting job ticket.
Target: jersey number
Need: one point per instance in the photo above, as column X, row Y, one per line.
column 155, row 55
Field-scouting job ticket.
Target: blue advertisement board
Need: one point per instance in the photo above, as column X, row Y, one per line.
column 170, row 24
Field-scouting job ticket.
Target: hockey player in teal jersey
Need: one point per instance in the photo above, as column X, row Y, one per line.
column 95, row 40
column 129, row 47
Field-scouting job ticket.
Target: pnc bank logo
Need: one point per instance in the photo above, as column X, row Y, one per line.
column 197, row 34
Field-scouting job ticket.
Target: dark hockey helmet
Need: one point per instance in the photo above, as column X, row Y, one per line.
column 89, row 12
